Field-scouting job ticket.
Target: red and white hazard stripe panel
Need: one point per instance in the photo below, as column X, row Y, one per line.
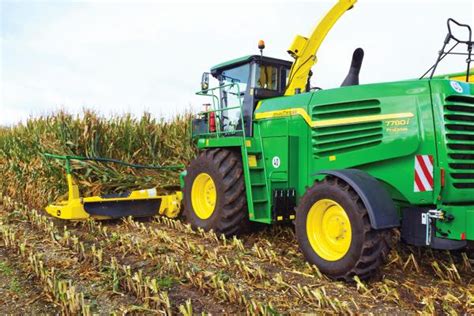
column 423, row 173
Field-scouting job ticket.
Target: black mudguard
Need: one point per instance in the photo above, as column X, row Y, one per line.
column 379, row 204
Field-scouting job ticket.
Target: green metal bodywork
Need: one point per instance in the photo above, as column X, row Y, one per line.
column 385, row 148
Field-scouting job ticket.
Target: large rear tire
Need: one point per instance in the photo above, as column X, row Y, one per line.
column 334, row 232
column 214, row 192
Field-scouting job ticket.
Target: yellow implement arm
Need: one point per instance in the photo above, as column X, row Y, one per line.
column 304, row 50
column 137, row 203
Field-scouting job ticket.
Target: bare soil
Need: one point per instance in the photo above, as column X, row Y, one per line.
column 18, row 292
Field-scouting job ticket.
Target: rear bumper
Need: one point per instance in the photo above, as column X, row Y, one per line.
column 461, row 225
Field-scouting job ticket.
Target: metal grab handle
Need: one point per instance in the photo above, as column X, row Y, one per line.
column 450, row 21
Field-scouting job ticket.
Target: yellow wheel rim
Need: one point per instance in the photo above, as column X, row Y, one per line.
column 329, row 230
column 203, row 196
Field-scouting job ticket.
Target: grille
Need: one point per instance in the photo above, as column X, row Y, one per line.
column 459, row 123
column 348, row 137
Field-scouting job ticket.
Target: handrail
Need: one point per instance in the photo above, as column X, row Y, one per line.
column 244, row 145
column 218, row 131
column 204, row 92
column 219, row 110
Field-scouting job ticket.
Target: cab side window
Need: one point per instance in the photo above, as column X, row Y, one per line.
column 267, row 77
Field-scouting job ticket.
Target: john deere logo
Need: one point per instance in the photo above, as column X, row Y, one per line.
column 456, row 86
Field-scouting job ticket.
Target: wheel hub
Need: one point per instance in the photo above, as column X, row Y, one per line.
column 203, row 196
column 329, row 229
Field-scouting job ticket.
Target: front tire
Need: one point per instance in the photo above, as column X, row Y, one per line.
column 214, row 192
column 334, row 232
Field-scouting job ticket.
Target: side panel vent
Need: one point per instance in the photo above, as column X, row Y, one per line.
column 345, row 137
column 346, row 109
column 459, row 123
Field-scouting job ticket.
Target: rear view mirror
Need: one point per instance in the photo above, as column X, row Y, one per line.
column 205, row 82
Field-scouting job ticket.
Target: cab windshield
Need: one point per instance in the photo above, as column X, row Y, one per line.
column 242, row 87
column 234, row 84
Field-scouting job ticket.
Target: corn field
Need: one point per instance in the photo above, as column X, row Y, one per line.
column 142, row 141
column 162, row 266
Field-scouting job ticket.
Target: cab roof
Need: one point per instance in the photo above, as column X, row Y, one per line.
column 247, row 59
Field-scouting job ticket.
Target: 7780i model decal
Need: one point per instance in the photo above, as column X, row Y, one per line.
column 395, row 126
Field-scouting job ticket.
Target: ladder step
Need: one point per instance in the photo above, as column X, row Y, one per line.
column 256, row 168
column 258, row 184
column 260, row 201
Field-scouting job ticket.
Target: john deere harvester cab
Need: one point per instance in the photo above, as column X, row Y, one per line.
column 346, row 165
column 242, row 83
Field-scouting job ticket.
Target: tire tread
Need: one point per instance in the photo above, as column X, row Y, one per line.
column 233, row 217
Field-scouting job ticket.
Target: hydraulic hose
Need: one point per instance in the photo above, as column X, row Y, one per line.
column 68, row 158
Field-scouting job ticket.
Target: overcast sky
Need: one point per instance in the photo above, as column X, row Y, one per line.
column 135, row 56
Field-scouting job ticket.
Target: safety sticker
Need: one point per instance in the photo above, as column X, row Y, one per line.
column 423, row 173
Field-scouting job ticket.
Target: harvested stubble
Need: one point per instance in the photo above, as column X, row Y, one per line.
column 46, row 271
column 220, row 267
column 88, row 253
